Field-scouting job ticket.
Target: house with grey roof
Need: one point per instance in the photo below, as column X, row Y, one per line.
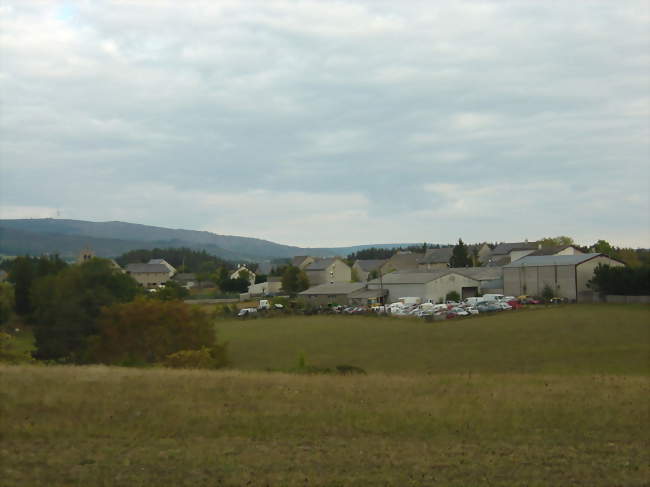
column 270, row 287
column 481, row 252
column 329, row 270
column 402, row 261
column 364, row 268
column 567, row 275
column 434, row 259
column 170, row 268
column 331, row 293
column 507, row 252
column 148, row 275
column 557, row 250
column 302, row 261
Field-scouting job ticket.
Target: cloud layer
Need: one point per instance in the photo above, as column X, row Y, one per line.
column 324, row 123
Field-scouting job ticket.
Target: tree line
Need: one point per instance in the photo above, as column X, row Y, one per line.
column 95, row 313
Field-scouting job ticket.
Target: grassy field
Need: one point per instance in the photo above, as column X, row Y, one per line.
column 539, row 398
column 585, row 339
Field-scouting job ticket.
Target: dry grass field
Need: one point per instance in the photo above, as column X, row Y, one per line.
column 562, row 418
column 571, row 339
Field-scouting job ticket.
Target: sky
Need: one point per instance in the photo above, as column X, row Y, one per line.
column 331, row 123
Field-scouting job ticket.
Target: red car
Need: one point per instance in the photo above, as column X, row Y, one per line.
column 515, row 304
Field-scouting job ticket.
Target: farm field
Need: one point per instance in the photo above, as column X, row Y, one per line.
column 562, row 401
column 571, row 339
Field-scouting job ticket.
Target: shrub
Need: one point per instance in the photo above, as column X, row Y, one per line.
column 67, row 306
column 147, row 331
column 349, row 369
column 547, row 293
column 193, row 359
column 452, row 296
column 8, row 352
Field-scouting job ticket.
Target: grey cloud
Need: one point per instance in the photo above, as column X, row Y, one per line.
column 366, row 97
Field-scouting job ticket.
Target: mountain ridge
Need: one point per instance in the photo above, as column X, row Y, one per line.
column 112, row 238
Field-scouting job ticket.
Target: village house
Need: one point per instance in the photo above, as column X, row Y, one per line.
column 149, row 275
column 186, row 279
column 481, row 251
column 435, row 259
column 240, row 272
column 505, row 253
column 302, row 261
column 402, row 261
column 170, row 268
column 566, row 275
column 364, row 268
column 270, row 287
column 328, row 270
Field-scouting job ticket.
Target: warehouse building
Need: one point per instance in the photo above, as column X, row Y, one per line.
column 566, row 275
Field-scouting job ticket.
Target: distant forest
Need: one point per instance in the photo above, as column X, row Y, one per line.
column 183, row 259
column 375, row 253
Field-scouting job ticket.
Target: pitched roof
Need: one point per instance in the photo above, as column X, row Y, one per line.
column 506, row 248
column 547, row 260
column 298, row 259
column 551, row 250
column 475, row 273
column 479, row 273
column 322, row 264
column 334, row 288
column 404, row 261
column 147, row 268
column 409, row 277
column 437, row 256
column 368, row 293
column 370, row 264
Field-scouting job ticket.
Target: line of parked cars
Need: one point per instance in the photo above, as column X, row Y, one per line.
column 488, row 303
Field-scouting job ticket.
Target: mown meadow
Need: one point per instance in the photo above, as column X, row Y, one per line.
column 553, row 396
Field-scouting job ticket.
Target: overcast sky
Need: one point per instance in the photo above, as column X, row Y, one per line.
column 324, row 123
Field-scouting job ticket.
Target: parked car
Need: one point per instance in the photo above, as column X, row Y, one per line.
column 246, row 312
column 459, row 311
column 525, row 299
column 471, row 310
column 504, row 306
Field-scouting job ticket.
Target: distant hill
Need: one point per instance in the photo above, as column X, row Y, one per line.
column 110, row 239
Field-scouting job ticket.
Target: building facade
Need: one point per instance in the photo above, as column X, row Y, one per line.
column 566, row 275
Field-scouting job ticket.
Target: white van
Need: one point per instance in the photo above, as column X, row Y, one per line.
column 492, row 297
column 410, row 300
column 474, row 300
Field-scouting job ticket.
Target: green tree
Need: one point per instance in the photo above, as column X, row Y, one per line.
column 604, row 247
column 354, row 275
column 294, row 280
column 7, row 301
column 629, row 256
column 452, row 296
column 547, row 293
column 238, row 285
column 66, row 307
column 170, row 292
column 556, row 241
column 148, row 331
column 621, row 280
column 23, row 272
column 459, row 256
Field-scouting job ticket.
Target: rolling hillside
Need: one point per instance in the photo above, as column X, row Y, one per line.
column 110, row 239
